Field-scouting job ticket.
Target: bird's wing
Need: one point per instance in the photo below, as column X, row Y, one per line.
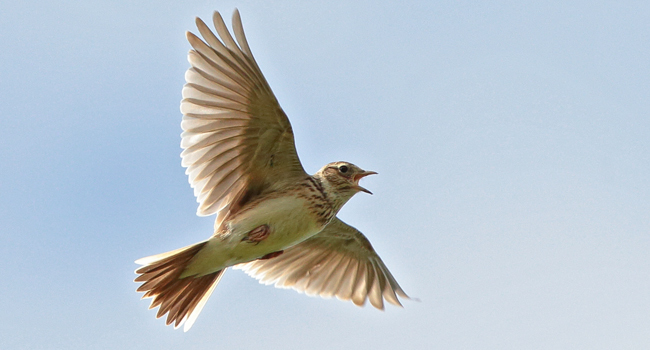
column 237, row 141
column 339, row 261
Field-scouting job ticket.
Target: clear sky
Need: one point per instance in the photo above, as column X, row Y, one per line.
column 512, row 141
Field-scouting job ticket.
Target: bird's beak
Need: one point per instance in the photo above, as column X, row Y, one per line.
column 361, row 175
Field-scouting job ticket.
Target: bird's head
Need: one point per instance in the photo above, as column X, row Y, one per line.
column 341, row 180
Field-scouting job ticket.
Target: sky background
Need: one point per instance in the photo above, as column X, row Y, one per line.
column 512, row 141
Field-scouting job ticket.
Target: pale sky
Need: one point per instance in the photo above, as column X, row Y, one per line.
column 512, row 142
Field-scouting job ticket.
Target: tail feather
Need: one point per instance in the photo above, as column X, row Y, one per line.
column 182, row 299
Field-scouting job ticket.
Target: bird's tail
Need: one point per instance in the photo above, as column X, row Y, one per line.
column 181, row 298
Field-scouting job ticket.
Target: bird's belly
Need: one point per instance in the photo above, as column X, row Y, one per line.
column 290, row 222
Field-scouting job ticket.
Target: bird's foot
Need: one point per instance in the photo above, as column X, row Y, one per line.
column 271, row 255
column 258, row 234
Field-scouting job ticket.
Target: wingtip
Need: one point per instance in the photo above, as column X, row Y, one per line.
column 216, row 16
column 198, row 21
column 405, row 296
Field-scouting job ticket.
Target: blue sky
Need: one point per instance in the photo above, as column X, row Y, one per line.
column 512, row 141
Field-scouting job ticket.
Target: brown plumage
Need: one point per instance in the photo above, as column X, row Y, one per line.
column 273, row 219
column 175, row 296
column 339, row 261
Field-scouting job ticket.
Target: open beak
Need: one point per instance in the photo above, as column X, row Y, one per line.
column 361, row 175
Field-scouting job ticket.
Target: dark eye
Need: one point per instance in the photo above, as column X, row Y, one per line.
column 343, row 169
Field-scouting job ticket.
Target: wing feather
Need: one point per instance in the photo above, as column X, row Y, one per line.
column 346, row 287
column 227, row 79
column 237, row 142
column 336, row 278
column 339, row 261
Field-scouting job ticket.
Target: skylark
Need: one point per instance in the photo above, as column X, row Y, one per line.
column 274, row 221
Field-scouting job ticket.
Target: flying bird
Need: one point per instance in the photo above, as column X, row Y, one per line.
column 274, row 221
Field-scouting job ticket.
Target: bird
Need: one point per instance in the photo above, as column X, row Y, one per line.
column 274, row 221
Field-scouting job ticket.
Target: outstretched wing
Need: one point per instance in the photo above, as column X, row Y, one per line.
column 339, row 261
column 237, row 141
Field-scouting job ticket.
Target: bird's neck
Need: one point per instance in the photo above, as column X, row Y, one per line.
column 334, row 192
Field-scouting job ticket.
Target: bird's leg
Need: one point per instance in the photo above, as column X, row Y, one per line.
column 258, row 234
column 271, row 255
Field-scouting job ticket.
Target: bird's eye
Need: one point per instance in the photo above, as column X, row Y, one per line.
column 343, row 169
